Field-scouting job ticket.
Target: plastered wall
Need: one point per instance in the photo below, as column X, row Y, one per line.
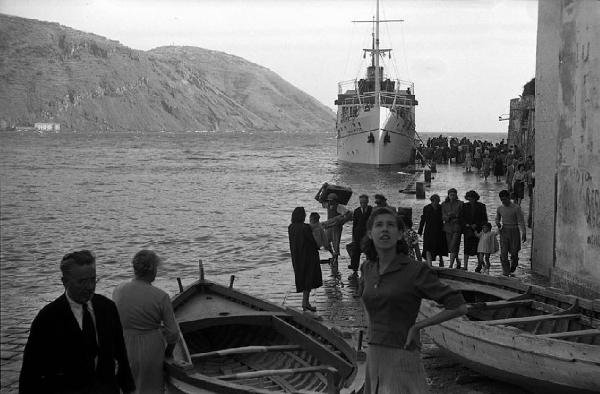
column 567, row 226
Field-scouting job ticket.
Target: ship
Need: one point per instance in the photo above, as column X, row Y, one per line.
column 376, row 115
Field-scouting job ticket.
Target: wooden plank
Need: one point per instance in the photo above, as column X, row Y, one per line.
column 529, row 319
column 325, row 330
column 245, row 298
column 568, row 334
column 278, row 372
column 497, row 304
column 246, row 350
column 251, row 318
column 321, row 352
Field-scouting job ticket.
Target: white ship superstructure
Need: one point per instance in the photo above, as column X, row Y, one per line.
column 376, row 115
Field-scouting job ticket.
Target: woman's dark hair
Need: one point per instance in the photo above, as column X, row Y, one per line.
column 472, row 194
column 298, row 215
column 451, row 190
column 487, row 224
column 367, row 245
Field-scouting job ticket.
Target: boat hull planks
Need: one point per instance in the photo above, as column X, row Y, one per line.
column 512, row 334
column 232, row 342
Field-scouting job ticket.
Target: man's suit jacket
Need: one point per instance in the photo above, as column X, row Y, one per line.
column 54, row 360
column 359, row 224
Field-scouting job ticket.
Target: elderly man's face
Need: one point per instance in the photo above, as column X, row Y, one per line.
column 80, row 282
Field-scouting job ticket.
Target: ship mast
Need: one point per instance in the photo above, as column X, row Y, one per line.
column 376, row 55
column 376, row 51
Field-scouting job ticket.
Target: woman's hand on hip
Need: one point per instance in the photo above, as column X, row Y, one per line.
column 413, row 339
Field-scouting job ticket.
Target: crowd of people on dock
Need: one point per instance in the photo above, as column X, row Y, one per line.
column 487, row 158
column 396, row 274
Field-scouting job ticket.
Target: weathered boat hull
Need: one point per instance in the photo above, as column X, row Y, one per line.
column 235, row 343
column 520, row 349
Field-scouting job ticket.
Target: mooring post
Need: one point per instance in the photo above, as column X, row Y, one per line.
column 201, row 268
column 180, row 285
column 360, row 339
column 231, row 279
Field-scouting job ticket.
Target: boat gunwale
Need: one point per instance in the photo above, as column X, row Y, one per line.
column 328, row 338
column 499, row 335
column 512, row 284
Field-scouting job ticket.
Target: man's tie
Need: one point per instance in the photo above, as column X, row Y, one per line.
column 89, row 334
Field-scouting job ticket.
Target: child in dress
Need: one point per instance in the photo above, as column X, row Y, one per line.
column 488, row 244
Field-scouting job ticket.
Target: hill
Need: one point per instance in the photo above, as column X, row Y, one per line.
column 52, row 73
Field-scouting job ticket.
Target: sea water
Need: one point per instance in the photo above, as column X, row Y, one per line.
column 225, row 198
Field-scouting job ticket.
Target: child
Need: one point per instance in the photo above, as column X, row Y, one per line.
column 318, row 232
column 412, row 239
column 488, row 244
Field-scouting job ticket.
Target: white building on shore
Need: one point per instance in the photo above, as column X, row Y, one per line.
column 46, row 126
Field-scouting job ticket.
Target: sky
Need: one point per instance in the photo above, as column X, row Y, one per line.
column 466, row 58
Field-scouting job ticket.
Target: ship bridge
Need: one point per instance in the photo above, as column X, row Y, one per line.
column 392, row 93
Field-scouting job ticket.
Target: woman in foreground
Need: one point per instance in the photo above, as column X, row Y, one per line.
column 392, row 286
column 305, row 257
column 149, row 325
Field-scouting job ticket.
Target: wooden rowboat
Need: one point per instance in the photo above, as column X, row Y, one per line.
column 524, row 334
column 232, row 342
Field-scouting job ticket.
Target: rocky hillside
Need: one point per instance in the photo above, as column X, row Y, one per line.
column 51, row 73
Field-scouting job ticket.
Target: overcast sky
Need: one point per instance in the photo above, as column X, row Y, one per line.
column 467, row 58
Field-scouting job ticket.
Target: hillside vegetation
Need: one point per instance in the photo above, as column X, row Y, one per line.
column 52, row 73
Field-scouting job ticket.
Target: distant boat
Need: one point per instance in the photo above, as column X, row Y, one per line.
column 527, row 335
column 376, row 115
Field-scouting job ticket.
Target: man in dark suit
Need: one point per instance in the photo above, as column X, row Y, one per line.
column 359, row 229
column 76, row 342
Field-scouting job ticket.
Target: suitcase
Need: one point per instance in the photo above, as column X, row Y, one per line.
column 343, row 193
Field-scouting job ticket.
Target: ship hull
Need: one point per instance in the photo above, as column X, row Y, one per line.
column 354, row 144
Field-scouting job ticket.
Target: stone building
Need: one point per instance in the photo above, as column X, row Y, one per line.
column 521, row 125
column 566, row 236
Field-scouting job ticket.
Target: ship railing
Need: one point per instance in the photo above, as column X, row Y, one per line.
column 401, row 85
column 393, row 99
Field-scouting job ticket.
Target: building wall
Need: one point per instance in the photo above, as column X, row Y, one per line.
column 567, row 227
column 521, row 125
column 546, row 126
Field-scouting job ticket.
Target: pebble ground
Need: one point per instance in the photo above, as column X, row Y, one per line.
column 336, row 302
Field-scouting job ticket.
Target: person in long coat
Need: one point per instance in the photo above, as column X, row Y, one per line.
column 472, row 217
column 359, row 229
column 451, row 215
column 305, row 257
column 431, row 228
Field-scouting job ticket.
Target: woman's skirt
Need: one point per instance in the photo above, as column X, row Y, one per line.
column 470, row 242
column 519, row 189
column 394, row 371
column 146, row 351
column 453, row 241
